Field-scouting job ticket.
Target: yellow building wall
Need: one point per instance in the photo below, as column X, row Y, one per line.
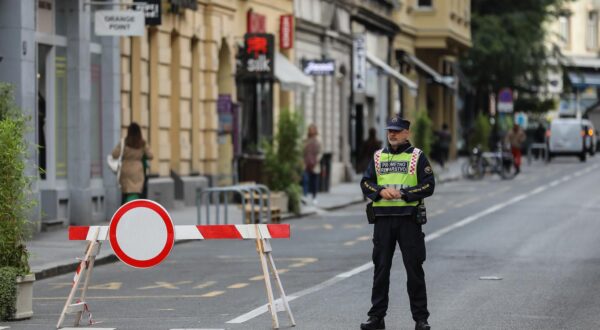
column 169, row 86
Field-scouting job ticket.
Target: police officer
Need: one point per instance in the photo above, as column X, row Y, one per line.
column 397, row 179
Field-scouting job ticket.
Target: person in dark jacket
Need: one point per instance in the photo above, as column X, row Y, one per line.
column 397, row 179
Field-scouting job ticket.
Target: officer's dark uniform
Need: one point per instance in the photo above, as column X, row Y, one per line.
column 398, row 224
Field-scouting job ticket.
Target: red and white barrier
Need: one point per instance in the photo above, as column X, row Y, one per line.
column 142, row 234
column 266, row 231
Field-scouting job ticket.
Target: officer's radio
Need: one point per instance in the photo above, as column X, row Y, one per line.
column 421, row 217
column 370, row 213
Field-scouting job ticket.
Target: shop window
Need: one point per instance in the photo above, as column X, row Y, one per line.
column 425, row 4
column 564, row 23
column 61, row 112
column 592, row 30
column 96, row 116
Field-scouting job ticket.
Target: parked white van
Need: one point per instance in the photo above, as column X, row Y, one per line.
column 567, row 138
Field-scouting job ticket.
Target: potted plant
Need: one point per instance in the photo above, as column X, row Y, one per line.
column 283, row 162
column 16, row 282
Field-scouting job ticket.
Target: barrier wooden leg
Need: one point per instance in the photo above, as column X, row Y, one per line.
column 267, row 277
column 85, row 266
column 88, row 275
column 268, row 250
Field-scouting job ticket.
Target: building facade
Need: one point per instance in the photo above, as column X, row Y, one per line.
column 575, row 34
column 323, row 49
column 433, row 34
column 66, row 79
column 172, row 81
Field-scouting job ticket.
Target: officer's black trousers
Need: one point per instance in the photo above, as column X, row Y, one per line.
column 410, row 238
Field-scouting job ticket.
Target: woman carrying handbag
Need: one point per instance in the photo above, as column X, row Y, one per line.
column 131, row 152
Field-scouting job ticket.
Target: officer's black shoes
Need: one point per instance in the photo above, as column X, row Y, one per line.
column 374, row 323
column 422, row 325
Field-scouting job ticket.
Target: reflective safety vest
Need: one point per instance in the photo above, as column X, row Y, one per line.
column 398, row 171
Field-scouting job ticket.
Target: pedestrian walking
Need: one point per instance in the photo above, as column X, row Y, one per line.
column 444, row 138
column 397, row 180
column 132, row 167
column 312, row 157
column 515, row 139
column 539, row 136
column 368, row 148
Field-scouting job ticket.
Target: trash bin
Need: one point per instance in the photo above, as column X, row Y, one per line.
column 325, row 176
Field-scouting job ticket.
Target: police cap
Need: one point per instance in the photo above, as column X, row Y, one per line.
column 397, row 124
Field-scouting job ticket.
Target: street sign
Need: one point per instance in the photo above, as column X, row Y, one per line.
column 521, row 119
column 505, row 100
column 152, row 11
column 359, row 63
column 119, row 23
column 318, row 67
column 141, row 233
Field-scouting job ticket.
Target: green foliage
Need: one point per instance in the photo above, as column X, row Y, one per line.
column 8, row 292
column 14, row 185
column 294, row 193
column 283, row 156
column 509, row 46
column 422, row 132
column 481, row 133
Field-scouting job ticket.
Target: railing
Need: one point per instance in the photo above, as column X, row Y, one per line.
column 248, row 194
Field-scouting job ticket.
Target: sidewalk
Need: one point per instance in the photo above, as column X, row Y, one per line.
column 52, row 253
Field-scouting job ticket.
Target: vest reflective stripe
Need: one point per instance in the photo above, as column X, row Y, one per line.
column 397, row 171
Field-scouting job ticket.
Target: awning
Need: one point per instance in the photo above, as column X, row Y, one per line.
column 289, row 76
column 585, row 62
column 584, row 79
column 391, row 72
column 438, row 78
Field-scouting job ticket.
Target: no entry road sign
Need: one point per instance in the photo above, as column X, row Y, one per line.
column 141, row 233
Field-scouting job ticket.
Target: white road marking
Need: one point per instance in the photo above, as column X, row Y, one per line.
column 84, row 328
column 263, row 309
column 1, row 328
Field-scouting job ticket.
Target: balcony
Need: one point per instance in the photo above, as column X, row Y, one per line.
column 442, row 25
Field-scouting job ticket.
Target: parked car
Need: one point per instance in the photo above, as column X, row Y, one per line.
column 566, row 137
column 591, row 141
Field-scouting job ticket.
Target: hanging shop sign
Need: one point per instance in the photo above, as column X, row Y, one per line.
column 286, row 31
column 258, row 55
column 318, row 67
column 119, row 23
column 256, row 23
column 359, row 63
column 177, row 6
column 152, row 11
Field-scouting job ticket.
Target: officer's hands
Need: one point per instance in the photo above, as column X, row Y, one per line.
column 390, row 193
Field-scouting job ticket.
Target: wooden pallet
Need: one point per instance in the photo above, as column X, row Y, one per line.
column 275, row 213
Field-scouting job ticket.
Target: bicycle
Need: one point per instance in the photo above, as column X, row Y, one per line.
column 500, row 162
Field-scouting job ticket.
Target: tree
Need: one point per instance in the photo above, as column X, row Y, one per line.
column 509, row 47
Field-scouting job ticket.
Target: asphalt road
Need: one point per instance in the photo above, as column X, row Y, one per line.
column 519, row 254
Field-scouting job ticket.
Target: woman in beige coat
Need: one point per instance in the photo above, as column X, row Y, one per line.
column 132, row 168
